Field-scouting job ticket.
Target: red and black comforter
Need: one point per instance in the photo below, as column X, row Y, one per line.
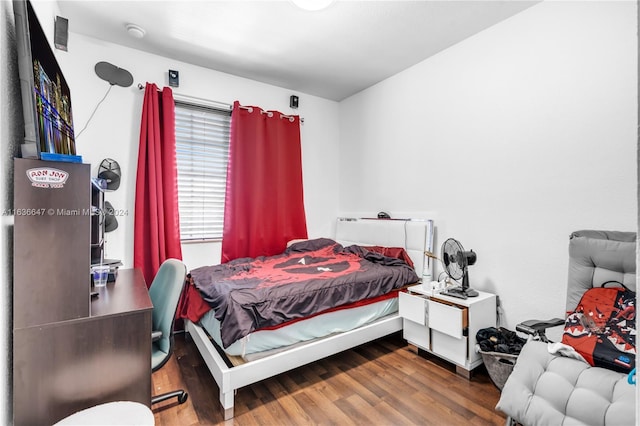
column 309, row 277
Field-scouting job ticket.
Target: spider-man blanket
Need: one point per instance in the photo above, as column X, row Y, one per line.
column 603, row 328
column 309, row 277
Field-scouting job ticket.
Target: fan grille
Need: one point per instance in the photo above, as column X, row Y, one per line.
column 453, row 258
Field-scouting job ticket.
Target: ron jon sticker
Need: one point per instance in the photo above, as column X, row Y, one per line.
column 47, row 177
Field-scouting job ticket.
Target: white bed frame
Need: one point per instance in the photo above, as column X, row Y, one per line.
column 415, row 236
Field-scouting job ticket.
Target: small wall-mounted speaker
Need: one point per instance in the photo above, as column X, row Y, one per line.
column 61, row 33
column 174, row 78
column 293, row 101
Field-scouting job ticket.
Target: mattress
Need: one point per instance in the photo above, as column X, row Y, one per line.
column 263, row 341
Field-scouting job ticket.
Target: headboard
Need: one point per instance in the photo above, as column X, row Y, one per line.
column 414, row 235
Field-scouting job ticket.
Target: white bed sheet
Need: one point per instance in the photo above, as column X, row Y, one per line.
column 301, row 331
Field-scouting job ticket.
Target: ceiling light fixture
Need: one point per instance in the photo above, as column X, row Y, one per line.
column 135, row 30
column 312, row 5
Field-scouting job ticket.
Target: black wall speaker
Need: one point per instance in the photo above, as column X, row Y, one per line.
column 61, row 33
column 174, row 78
column 294, row 101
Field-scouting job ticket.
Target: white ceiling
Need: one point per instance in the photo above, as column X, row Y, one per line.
column 332, row 53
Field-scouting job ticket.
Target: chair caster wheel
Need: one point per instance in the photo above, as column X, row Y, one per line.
column 183, row 398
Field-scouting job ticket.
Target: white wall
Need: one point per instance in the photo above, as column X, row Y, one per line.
column 511, row 139
column 115, row 128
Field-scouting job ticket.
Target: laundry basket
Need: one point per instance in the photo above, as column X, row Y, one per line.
column 499, row 366
column 499, row 349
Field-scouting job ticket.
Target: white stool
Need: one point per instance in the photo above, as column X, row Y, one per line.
column 118, row 413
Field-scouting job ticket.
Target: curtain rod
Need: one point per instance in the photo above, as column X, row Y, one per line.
column 270, row 113
column 207, row 102
column 195, row 100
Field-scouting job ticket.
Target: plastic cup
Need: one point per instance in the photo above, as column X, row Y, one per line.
column 100, row 274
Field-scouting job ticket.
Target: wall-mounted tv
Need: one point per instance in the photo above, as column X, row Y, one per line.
column 46, row 98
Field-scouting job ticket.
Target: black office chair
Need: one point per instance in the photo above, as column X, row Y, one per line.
column 165, row 293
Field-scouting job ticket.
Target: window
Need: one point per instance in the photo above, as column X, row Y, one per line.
column 202, row 150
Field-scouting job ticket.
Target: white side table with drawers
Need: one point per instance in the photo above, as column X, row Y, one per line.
column 446, row 326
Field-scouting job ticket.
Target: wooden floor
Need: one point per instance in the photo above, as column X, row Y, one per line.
column 380, row 383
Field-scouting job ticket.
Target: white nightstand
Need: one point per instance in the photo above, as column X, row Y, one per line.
column 446, row 326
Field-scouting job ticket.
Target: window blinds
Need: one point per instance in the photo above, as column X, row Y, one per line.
column 202, row 151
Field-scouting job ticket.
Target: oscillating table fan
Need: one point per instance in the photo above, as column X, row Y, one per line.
column 456, row 263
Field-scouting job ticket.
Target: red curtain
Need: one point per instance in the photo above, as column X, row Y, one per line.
column 156, row 221
column 264, row 205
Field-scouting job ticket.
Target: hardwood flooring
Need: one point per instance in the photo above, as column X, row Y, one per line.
column 380, row 383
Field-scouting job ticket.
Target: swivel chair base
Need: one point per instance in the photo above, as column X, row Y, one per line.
column 180, row 394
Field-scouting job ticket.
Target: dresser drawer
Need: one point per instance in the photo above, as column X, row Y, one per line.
column 447, row 318
column 416, row 334
column 413, row 308
column 448, row 347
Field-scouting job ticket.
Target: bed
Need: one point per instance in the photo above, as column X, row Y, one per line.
column 255, row 349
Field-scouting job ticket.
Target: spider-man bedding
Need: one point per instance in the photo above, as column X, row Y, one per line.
column 310, row 277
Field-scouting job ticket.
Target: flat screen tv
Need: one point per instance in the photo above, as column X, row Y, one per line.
column 46, row 98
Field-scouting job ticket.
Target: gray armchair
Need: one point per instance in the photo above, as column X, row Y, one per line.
column 545, row 389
